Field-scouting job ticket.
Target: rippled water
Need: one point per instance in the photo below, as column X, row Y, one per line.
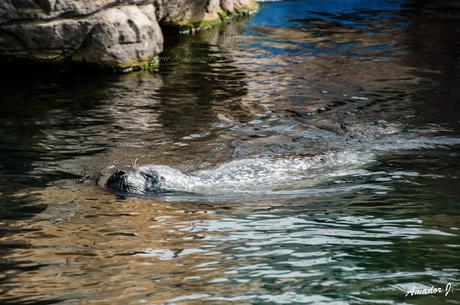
column 300, row 79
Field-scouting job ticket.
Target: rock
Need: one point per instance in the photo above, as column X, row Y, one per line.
column 118, row 34
column 49, row 41
column 187, row 14
column 227, row 5
column 123, row 37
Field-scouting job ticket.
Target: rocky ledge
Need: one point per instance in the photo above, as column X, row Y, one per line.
column 116, row 34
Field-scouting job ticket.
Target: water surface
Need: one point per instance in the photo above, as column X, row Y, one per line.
column 365, row 236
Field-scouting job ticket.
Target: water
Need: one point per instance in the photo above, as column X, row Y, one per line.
column 365, row 234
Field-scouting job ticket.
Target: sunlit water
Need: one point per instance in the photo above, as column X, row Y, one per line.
column 325, row 138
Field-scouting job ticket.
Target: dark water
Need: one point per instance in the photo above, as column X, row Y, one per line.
column 364, row 237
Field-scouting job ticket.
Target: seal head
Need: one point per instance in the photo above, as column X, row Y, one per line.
column 140, row 181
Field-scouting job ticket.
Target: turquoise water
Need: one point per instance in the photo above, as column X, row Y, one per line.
column 300, row 79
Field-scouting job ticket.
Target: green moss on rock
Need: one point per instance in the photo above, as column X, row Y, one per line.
column 247, row 10
column 151, row 64
column 207, row 23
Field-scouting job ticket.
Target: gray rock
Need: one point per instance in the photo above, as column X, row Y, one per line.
column 181, row 12
column 109, row 33
column 123, row 37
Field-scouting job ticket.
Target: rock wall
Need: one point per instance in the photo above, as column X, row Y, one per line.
column 109, row 33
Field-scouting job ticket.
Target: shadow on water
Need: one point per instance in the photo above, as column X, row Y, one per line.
column 201, row 82
column 62, row 127
column 434, row 50
column 63, row 115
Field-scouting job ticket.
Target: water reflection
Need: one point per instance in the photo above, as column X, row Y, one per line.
column 123, row 251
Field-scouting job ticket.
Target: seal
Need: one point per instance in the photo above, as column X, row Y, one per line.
column 252, row 175
column 142, row 180
column 150, row 179
column 277, row 163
